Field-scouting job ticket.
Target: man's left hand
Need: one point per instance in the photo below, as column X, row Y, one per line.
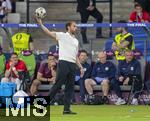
column 81, row 72
column 126, row 81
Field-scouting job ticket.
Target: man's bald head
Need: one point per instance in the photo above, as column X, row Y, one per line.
column 102, row 57
column 102, row 54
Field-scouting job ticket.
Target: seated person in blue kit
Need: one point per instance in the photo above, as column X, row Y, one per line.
column 103, row 72
column 83, row 56
column 129, row 71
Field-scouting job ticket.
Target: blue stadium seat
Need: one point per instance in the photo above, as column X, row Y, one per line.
column 136, row 30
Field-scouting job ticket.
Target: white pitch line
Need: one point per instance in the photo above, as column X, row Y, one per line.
column 128, row 116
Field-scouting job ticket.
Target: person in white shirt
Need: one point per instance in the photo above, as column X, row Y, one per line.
column 8, row 6
column 2, row 10
column 68, row 58
column 5, row 8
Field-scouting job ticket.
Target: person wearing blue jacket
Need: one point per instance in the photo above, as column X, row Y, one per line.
column 129, row 71
column 102, row 73
column 83, row 56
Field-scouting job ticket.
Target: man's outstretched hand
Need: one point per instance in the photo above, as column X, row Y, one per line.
column 38, row 20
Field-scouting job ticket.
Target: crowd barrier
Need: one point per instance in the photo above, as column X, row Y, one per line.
column 62, row 25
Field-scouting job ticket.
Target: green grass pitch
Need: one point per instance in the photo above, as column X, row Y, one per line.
column 102, row 113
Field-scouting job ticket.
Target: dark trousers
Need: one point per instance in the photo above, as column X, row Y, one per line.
column 135, row 82
column 137, row 86
column 65, row 75
column 82, row 89
column 115, row 85
column 84, row 18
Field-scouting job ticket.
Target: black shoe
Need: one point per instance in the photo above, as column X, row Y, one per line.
column 69, row 113
column 105, row 100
